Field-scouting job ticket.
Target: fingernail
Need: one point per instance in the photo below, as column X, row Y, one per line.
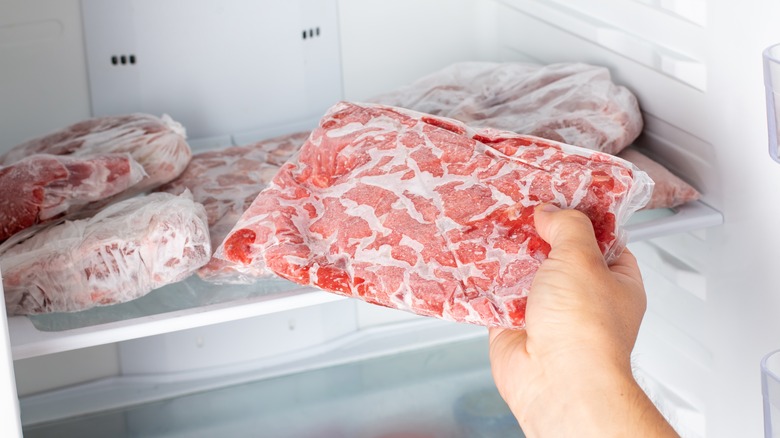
column 550, row 208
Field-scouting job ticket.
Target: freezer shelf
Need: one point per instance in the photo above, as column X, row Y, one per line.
column 104, row 325
column 424, row 379
column 193, row 303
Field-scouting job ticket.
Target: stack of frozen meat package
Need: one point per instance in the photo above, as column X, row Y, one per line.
column 80, row 231
column 226, row 181
column 572, row 103
column 108, row 209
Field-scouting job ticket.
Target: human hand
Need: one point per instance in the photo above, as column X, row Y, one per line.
column 569, row 371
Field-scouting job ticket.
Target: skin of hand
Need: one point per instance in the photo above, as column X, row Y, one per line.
column 568, row 373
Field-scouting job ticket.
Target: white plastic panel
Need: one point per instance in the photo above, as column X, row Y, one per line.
column 43, row 78
column 44, row 373
column 28, row 341
column 631, row 31
column 693, row 10
column 387, row 44
column 10, row 425
column 238, row 341
column 647, row 224
column 128, row 390
column 217, row 67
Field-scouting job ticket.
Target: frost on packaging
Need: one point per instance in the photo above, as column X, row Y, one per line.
column 573, row 103
column 226, row 181
column 158, row 144
column 42, row 188
column 120, row 254
column 426, row 214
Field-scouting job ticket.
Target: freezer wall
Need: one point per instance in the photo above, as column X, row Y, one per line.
column 44, row 72
column 696, row 69
column 383, row 45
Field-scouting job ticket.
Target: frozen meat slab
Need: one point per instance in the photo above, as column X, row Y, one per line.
column 425, row 214
column 574, row 103
column 122, row 253
column 41, row 188
column 157, row 143
column 226, row 181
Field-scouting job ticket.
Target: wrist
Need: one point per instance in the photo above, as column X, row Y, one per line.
column 601, row 402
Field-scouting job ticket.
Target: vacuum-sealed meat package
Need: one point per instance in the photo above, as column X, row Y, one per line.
column 426, row 214
column 158, row 144
column 41, row 188
column 572, row 103
column 226, row 181
column 126, row 250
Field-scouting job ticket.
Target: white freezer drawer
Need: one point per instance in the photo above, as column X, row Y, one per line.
column 409, row 382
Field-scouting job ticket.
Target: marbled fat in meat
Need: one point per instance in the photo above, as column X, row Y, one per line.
column 426, row 214
column 226, row 181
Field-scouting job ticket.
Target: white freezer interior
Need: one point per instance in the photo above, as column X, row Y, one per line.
column 444, row 391
column 695, row 66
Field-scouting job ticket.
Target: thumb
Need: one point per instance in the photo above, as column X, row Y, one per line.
column 568, row 232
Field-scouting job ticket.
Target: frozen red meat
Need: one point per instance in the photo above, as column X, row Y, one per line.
column 669, row 191
column 158, row 144
column 572, row 103
column 575, row 103
column 125, row 251
column 43, row 187
column 426, row 214
column 226, row 181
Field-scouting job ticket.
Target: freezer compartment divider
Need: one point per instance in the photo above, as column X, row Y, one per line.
column 27, row 341
column 124, row 391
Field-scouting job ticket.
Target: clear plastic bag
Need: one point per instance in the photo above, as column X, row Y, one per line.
column 41, row 188
column 573, row 103
column 157, row 143
column 226, row 181
column 426, row 214
column 120, row 254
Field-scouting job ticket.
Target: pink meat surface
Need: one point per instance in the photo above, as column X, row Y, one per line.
column 226, row 181
column 41, row 188
column 670, row 190
column 158, row 144
column 425, row 214
column 122, row 253
column 573, row 103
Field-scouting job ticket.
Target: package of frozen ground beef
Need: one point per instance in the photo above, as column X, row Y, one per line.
column 157, row 143
column 425, row 214
column 670, row 190
column 42, row 188
column 226, row 181
column 122, row 253
column 574, row 103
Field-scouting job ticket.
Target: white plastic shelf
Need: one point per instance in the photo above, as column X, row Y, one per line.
column 27, row 340
column 649, row 224
column 193, row 303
